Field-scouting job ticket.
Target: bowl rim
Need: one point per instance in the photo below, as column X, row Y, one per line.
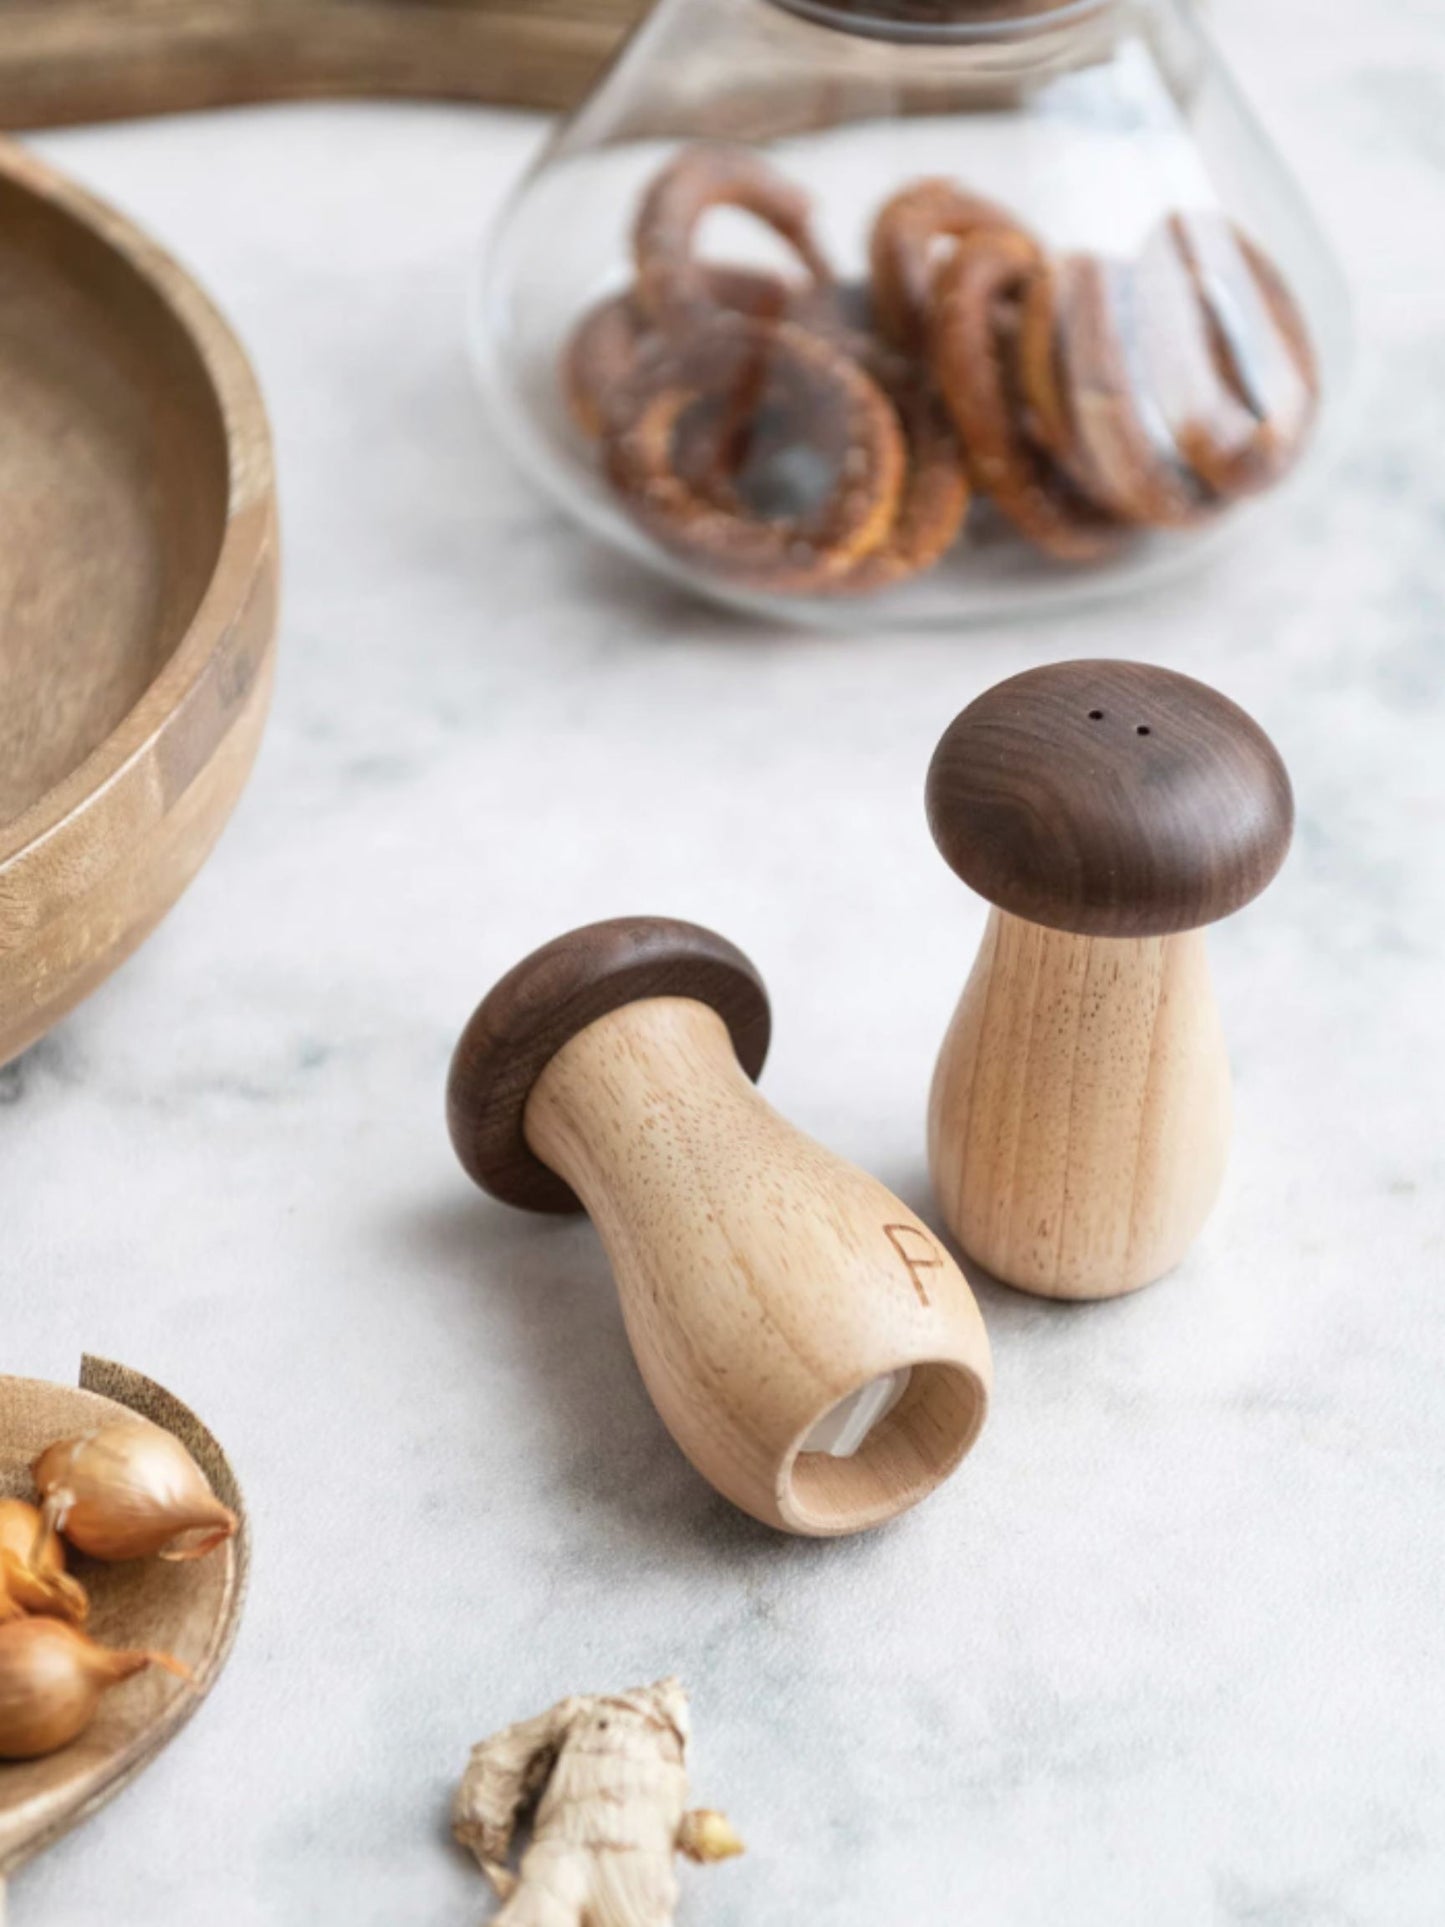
column 247, row 536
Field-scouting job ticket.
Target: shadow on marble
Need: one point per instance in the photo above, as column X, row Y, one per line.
column 537, row 1298
column 649, row 605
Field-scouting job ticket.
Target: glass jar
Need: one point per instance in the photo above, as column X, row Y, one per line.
column 850, row 308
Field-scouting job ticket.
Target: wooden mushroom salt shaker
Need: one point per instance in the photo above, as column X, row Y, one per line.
column 810, row 1346
column 1080, row 1111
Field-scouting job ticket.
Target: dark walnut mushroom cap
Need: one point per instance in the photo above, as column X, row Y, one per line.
column 1110, row 798
column 524, row 1020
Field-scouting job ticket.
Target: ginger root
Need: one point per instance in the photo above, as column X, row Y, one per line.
column 607, row 1777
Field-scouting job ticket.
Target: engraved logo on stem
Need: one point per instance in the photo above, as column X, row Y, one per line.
column 918, row 1252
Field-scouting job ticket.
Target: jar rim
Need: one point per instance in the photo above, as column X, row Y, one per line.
column 973, row 20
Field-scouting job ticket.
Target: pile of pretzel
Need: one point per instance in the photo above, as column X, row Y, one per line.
column 812, row 436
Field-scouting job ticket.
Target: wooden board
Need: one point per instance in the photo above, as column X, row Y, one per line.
column 76, row 60
column 138, row 567
column 191, row 1610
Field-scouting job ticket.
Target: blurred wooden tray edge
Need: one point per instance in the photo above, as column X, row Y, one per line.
column 64, row 61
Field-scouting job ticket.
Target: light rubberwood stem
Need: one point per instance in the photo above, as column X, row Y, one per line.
column 762, row 1278
column 1080, row 1112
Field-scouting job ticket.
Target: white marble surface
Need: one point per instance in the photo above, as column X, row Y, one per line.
column 1168, row 1650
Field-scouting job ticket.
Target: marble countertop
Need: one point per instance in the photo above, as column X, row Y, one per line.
column 1169, row 1648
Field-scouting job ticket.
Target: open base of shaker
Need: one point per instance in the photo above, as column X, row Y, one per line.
column 923, row 1422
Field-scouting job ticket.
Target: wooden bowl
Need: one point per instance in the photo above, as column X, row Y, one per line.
column 191, row 1609
column 138, row 575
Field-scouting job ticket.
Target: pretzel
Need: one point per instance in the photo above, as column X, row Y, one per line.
column 975, row 342
column 1284, row 310
column 1040, row 379
column 1257, row 340
column 600, row 352
column 721, row 448
column 604, row 345
column 830, row 406
column 936, row 492
column 1210, row 421
column 908, row 245
column 1193, row 411
column 673, row 286
column 841, row 311
column 1122, row 453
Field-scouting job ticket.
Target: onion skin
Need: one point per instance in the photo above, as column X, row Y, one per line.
column 52, row 1680
column 130, row 1490
column 33, row 1578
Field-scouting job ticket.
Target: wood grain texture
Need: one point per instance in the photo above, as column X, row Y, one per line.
column 546, row 999
column 1079, row 1120
column 923, row 20
column 192, row 1610
column 1113, row 799
column 138, row 582
column 762, row 1278
column 76, row 60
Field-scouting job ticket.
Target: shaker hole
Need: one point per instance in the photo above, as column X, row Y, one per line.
column 1096, row 715
column 1142, row 729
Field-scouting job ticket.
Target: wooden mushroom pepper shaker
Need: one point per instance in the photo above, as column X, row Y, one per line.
column 808, row 1343
column 1080, row 1110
